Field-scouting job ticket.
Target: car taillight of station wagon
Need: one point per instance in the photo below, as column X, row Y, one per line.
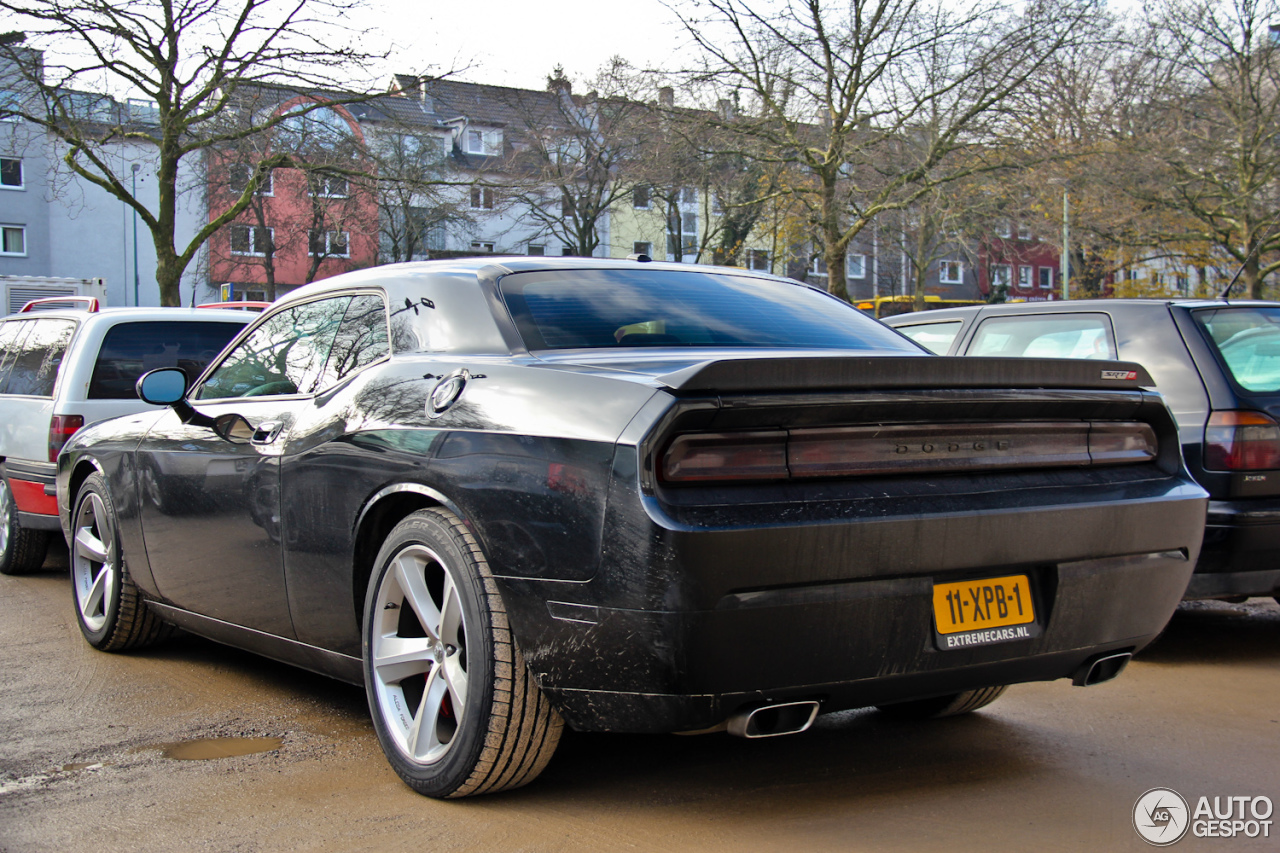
column 1241, row 441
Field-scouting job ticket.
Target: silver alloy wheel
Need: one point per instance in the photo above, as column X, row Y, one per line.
column 93, row 571
column 6, row 514
column 419, row 654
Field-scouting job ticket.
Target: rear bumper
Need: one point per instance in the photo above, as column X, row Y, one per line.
column 32, row 486
column 848, row 617
column 1241, row 552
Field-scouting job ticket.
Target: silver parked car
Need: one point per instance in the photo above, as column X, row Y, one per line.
column 62, row 368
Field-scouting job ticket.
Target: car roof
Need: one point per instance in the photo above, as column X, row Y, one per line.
column 116, row 315
column 498, row 265
column 1068, row 306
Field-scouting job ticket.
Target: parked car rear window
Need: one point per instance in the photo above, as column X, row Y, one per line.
column 36, row 357
column 935, row 337
column 1045, row 336
column 623, row 308
column 1248, row 339
column 131, row 349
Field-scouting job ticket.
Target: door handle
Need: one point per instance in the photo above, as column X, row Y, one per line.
column 266, row 432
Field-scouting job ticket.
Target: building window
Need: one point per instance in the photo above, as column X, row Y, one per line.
column 537, row 249
column 758, row 259
column 329, row 244
column 437, row 237
column 1046, row 278
column 642, row 249
column 13, row 240
column 817, row 265
column 487, row 142
column 1004, row 229
column 1001, row 275
column 479, row 246
column 11, row 173
column 1024, row 277
column 950, row 272
column 640, row 198
column 856, row 266
column 1024, row 233
column 566, row 251
column 238, row 178
column 329, row 186
column 688, row 195
column 250, row 240
column 684, row 226
column 482, row 198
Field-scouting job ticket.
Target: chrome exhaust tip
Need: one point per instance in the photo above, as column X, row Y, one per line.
column 1101, row 669
column 785, row 718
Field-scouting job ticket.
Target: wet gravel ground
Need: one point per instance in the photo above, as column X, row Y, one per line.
column 84, row 738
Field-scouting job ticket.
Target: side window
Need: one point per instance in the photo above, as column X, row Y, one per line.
column 361, row 340
column 36, row 363
column 1045, row 336
column 131, row 349
column 285, row 355
column 935, row 337
column 11, row 335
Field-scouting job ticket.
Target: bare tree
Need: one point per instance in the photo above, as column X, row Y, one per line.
column 576, row 154
column 836, row 88
column 194, row 61
column 1206, row 154
column 414, row 175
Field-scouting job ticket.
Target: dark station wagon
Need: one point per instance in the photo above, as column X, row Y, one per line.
column 512, row 494
column 1217, row 364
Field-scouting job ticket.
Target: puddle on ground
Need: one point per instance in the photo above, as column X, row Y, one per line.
column 207, row 748
column 83, row 765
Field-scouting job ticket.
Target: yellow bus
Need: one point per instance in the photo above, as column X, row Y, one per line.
column 892, row 306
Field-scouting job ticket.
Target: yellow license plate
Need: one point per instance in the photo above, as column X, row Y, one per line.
column 984, row 603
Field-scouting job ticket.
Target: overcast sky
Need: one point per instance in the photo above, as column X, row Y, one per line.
column 518, row 43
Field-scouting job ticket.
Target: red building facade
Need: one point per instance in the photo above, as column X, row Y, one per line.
column 306, row 222
column 1026, row 268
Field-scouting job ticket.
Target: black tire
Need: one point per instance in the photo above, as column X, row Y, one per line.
column 451, row 646
column 22, row 550
column 112, row 613
column 944, row 706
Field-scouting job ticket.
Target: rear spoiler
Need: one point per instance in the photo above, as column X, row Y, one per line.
column 826, row 373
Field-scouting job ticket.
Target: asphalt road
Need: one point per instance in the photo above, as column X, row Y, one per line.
column 83, row 740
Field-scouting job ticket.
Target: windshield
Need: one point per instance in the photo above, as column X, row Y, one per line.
column 1248, row 339
column 568, row 309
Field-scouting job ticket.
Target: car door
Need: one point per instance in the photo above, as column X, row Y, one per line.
column 211, row 506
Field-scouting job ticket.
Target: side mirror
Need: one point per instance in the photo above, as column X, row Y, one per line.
column 162, row 387
column 167, row 386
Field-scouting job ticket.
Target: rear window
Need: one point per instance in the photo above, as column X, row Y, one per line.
column 569, row 309
column 1248, row 339
column 935, row 337
column 32, row 363
column 1045, row 336
column 131, row 349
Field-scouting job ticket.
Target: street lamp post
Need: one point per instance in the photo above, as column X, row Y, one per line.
column 136, row 169
column 1064, row 260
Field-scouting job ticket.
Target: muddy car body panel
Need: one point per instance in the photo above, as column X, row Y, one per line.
column 644, row 592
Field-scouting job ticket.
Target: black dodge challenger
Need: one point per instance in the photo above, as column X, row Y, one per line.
column 512, row 494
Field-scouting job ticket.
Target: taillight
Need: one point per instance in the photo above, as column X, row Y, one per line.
column 61, row 428
column 1241, row 441
column 726, row 456
column 905, row 449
